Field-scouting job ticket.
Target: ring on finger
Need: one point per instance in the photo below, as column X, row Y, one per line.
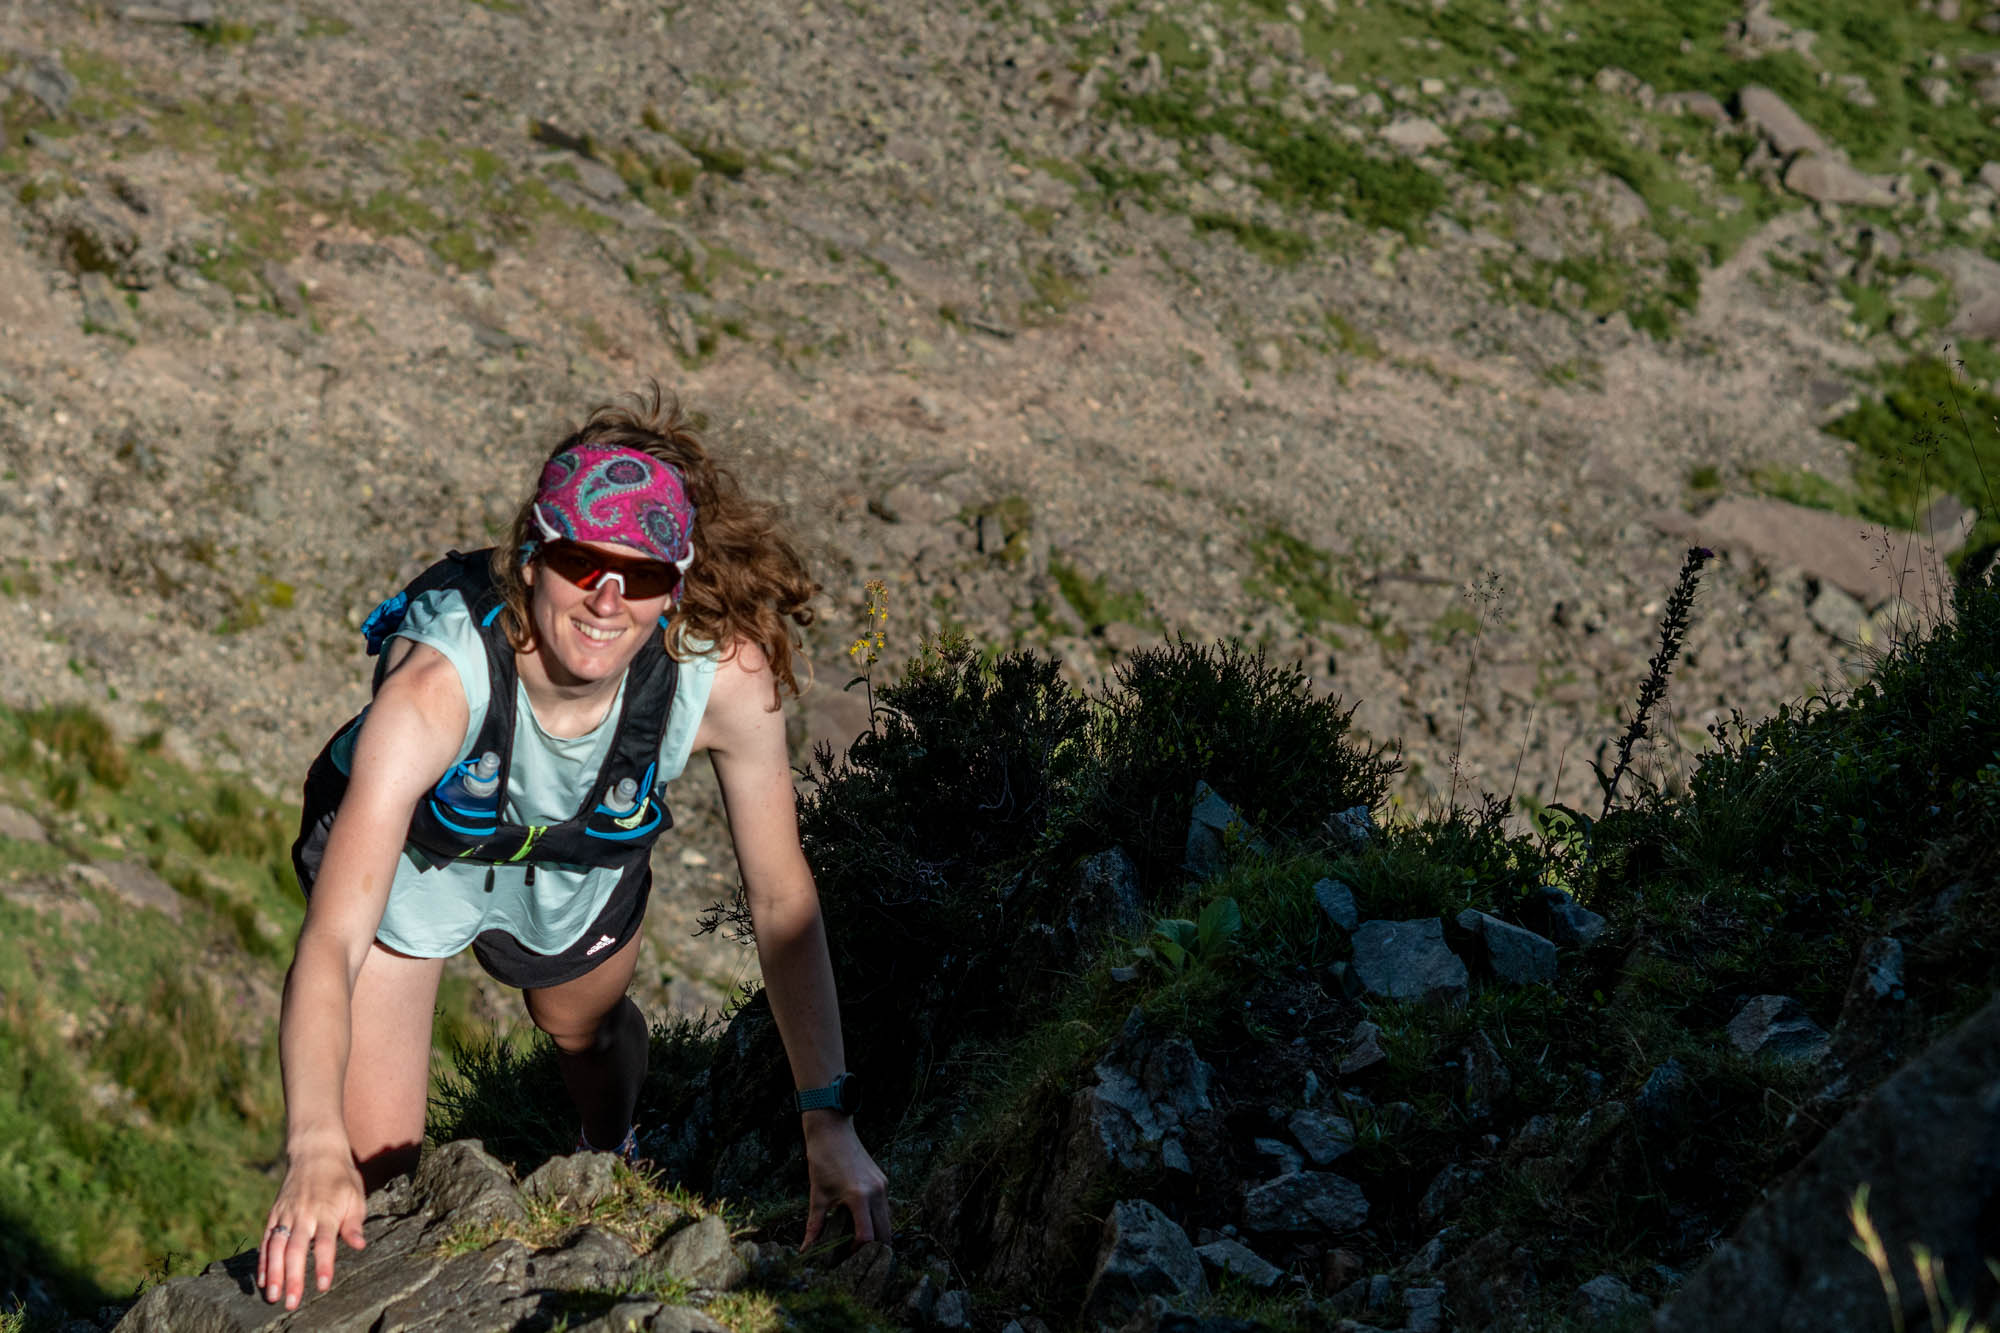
column 280, row 1229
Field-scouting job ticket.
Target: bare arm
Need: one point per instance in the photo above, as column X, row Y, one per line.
column 745, row 738
column 411, row 736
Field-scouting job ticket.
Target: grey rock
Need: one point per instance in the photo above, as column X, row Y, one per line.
column 1215, row 831
column 457, row 1284
column 1241, row 1262
column 1511, row 954
column 462, row 1179
column 1352, row 828
column 600, row 182
column 1364, row 1049
column 1143, row 1253
column 1662, row 1101
column 1839, row 616
column 44, row 79
column 1827, row 546
column 954, row 1310
column 96, row 241
column 590, row 1259
column 573, row 1183
column 132, row 881
column 1825, row 180
column 702, row 1255
column 641, row 1317
column 1975, row 283
column 1947, row 1100
column 1774, row 119
column 1605, row 1299
column 1424, row 1309
column 909, row 502
column 1146, row 1091
column 1408, row 960
column 869, row 1274
column 1109, row 884
column 1414, row 134
column 284, row 289
column 1336, row 903
column 19, row 825
column 1282, row 1155
column 1618, row 204
column 920, row 1306
column 1447, row 1190
column 104, row 308
column 1487, row 1079
column 1989, row 176
column 187, row 13
column 1305, row 1201
column 1570, row 926
column 1776, row 1026
column 1326, row 1137
column 1702, row 106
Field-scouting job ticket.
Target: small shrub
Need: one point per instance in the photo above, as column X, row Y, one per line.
column 1255, row 732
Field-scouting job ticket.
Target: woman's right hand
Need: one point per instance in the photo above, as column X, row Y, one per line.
column 321, row 1199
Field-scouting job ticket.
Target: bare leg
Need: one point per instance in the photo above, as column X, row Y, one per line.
column 388, row 1065
column 600, row 1038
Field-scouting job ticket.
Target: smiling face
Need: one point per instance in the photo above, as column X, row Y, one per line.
column 583, row 637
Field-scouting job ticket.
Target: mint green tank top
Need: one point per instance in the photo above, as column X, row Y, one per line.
column 435, row 909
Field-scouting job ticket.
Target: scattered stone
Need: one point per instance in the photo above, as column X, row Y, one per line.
column 1776, row 1026
column 1620, row 206
column 1107, row 894
column 1305, row 1201
column 1326, row 1137
column 702, row 1255
column 1663, row 1099
column 19, row 825
column 44, row 79
column 920, row 1306
column 1144, row 1253
column 909, row 502
column 1702, row 106
column 1605, row 1300
column 573, row 1183
column 132, row 881
column 1975, row 283
column 1414, row 134
column 869, row 1274
column 1513, row 955
column 461, row 1178
column 1839, row 616
column 1989, row 176
column 1336, row 903
column 1240, row 1262
column 1364, row 1049
column 1785, row 129
column 1282, row 1154
column 1351, row 829
column 1214, row 831
column 187, row 13
column 1825, row 180
column 1424, row 1309
column 1487, row 1079
column 1408, row 960
column 284, row 288
column 1570, row 926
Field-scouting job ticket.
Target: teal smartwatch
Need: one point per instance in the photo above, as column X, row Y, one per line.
column 842, row 1095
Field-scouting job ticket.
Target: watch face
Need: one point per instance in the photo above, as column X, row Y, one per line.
column 847, row 1088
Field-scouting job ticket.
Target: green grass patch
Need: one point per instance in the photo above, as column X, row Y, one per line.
column 1276, row 245
column 1928, row 434
column 1096, row 604
column 1302, row 575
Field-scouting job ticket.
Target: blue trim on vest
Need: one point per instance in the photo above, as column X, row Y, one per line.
column 630, row 834
column 492, row 616
column 439, row 811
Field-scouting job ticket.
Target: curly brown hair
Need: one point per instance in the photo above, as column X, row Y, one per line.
column 747, row 578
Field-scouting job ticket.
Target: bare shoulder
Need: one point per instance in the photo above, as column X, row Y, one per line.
column 740, row 700
column 422, row 678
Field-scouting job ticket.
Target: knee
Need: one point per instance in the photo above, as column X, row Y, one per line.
column 612, row 1032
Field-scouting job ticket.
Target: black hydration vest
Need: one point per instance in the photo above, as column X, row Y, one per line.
column 446, row 826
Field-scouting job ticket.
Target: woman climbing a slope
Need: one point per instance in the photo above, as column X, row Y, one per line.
column 503, row 791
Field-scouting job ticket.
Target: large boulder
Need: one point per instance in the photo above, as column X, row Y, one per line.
column 1510, row 954
column 1408, row 960
column 1305, row 1201
column 1773, row 118
column 1143, row 1253
column 1776, row 1026
column 1827, row 180
column 1927, row 1145
column 1827, row 546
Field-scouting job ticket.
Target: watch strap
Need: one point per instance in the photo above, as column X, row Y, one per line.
column 815, row 1099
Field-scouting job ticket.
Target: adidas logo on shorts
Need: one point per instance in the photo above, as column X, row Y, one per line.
column 602, row 941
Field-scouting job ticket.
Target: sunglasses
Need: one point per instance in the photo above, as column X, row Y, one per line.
column 590, row 569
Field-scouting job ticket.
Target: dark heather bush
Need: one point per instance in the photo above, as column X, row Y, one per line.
column 1185, row 712
column 921, row 839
